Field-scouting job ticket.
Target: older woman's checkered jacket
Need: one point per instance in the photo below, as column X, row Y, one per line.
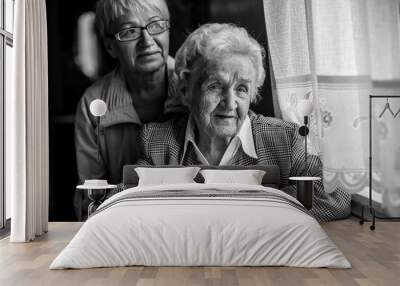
column 277, row 142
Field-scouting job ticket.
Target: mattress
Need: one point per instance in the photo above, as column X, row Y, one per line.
column 201, row 225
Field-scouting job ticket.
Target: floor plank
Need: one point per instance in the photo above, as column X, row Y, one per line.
column 374, row 255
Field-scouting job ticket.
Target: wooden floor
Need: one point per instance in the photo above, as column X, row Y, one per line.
column 374, row 255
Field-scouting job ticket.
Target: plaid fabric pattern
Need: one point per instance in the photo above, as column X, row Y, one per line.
column 277, row 142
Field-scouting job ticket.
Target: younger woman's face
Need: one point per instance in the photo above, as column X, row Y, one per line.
column 146, row 54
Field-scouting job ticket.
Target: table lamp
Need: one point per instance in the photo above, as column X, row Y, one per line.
column 98, row 108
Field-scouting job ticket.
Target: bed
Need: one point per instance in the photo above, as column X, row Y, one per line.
column 201, row 224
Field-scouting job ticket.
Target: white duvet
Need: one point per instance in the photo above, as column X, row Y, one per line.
column 220, row 224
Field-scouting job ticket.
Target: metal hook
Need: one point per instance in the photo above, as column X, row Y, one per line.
column 387, row 107
column 397, row 113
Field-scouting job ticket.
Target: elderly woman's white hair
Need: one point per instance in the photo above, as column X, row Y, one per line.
column 213, row 40
column 107, row 11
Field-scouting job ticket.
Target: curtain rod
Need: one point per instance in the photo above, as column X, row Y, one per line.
column 384, row 96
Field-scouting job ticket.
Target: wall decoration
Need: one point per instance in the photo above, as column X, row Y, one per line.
column 77, row 58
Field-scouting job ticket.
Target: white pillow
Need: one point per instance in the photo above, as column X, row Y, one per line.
column 248, row 177
column 163, row 176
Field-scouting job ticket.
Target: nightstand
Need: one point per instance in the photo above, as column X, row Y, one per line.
column 96, row 195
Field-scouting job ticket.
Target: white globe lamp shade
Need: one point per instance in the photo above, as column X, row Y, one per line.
column 304, row 107
column 98, row 107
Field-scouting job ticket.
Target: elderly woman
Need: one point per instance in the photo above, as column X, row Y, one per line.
column 139, row 90
column 220, row 70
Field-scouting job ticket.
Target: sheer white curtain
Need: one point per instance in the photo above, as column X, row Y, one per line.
column 337, row 53
column 27, row 124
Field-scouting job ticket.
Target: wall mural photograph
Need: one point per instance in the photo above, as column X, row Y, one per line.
column 116, row 67
column 203, row 133
column 86, row 62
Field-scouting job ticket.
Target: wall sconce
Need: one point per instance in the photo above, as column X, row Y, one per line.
column 98, row 108
column 304, row 108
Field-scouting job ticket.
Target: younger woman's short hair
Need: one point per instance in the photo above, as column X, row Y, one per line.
column 108, row 11
column 213, row 40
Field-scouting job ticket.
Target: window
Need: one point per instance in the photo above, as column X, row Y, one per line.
column 6, row 66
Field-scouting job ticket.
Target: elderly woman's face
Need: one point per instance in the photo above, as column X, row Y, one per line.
column 221, row 91
column 146, row 54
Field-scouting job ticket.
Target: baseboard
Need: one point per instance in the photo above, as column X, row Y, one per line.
column 357, row 201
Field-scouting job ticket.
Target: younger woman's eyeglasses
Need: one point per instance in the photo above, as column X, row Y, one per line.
column 134, row 33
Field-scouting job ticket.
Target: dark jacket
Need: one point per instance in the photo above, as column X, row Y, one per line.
column 118, row 129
